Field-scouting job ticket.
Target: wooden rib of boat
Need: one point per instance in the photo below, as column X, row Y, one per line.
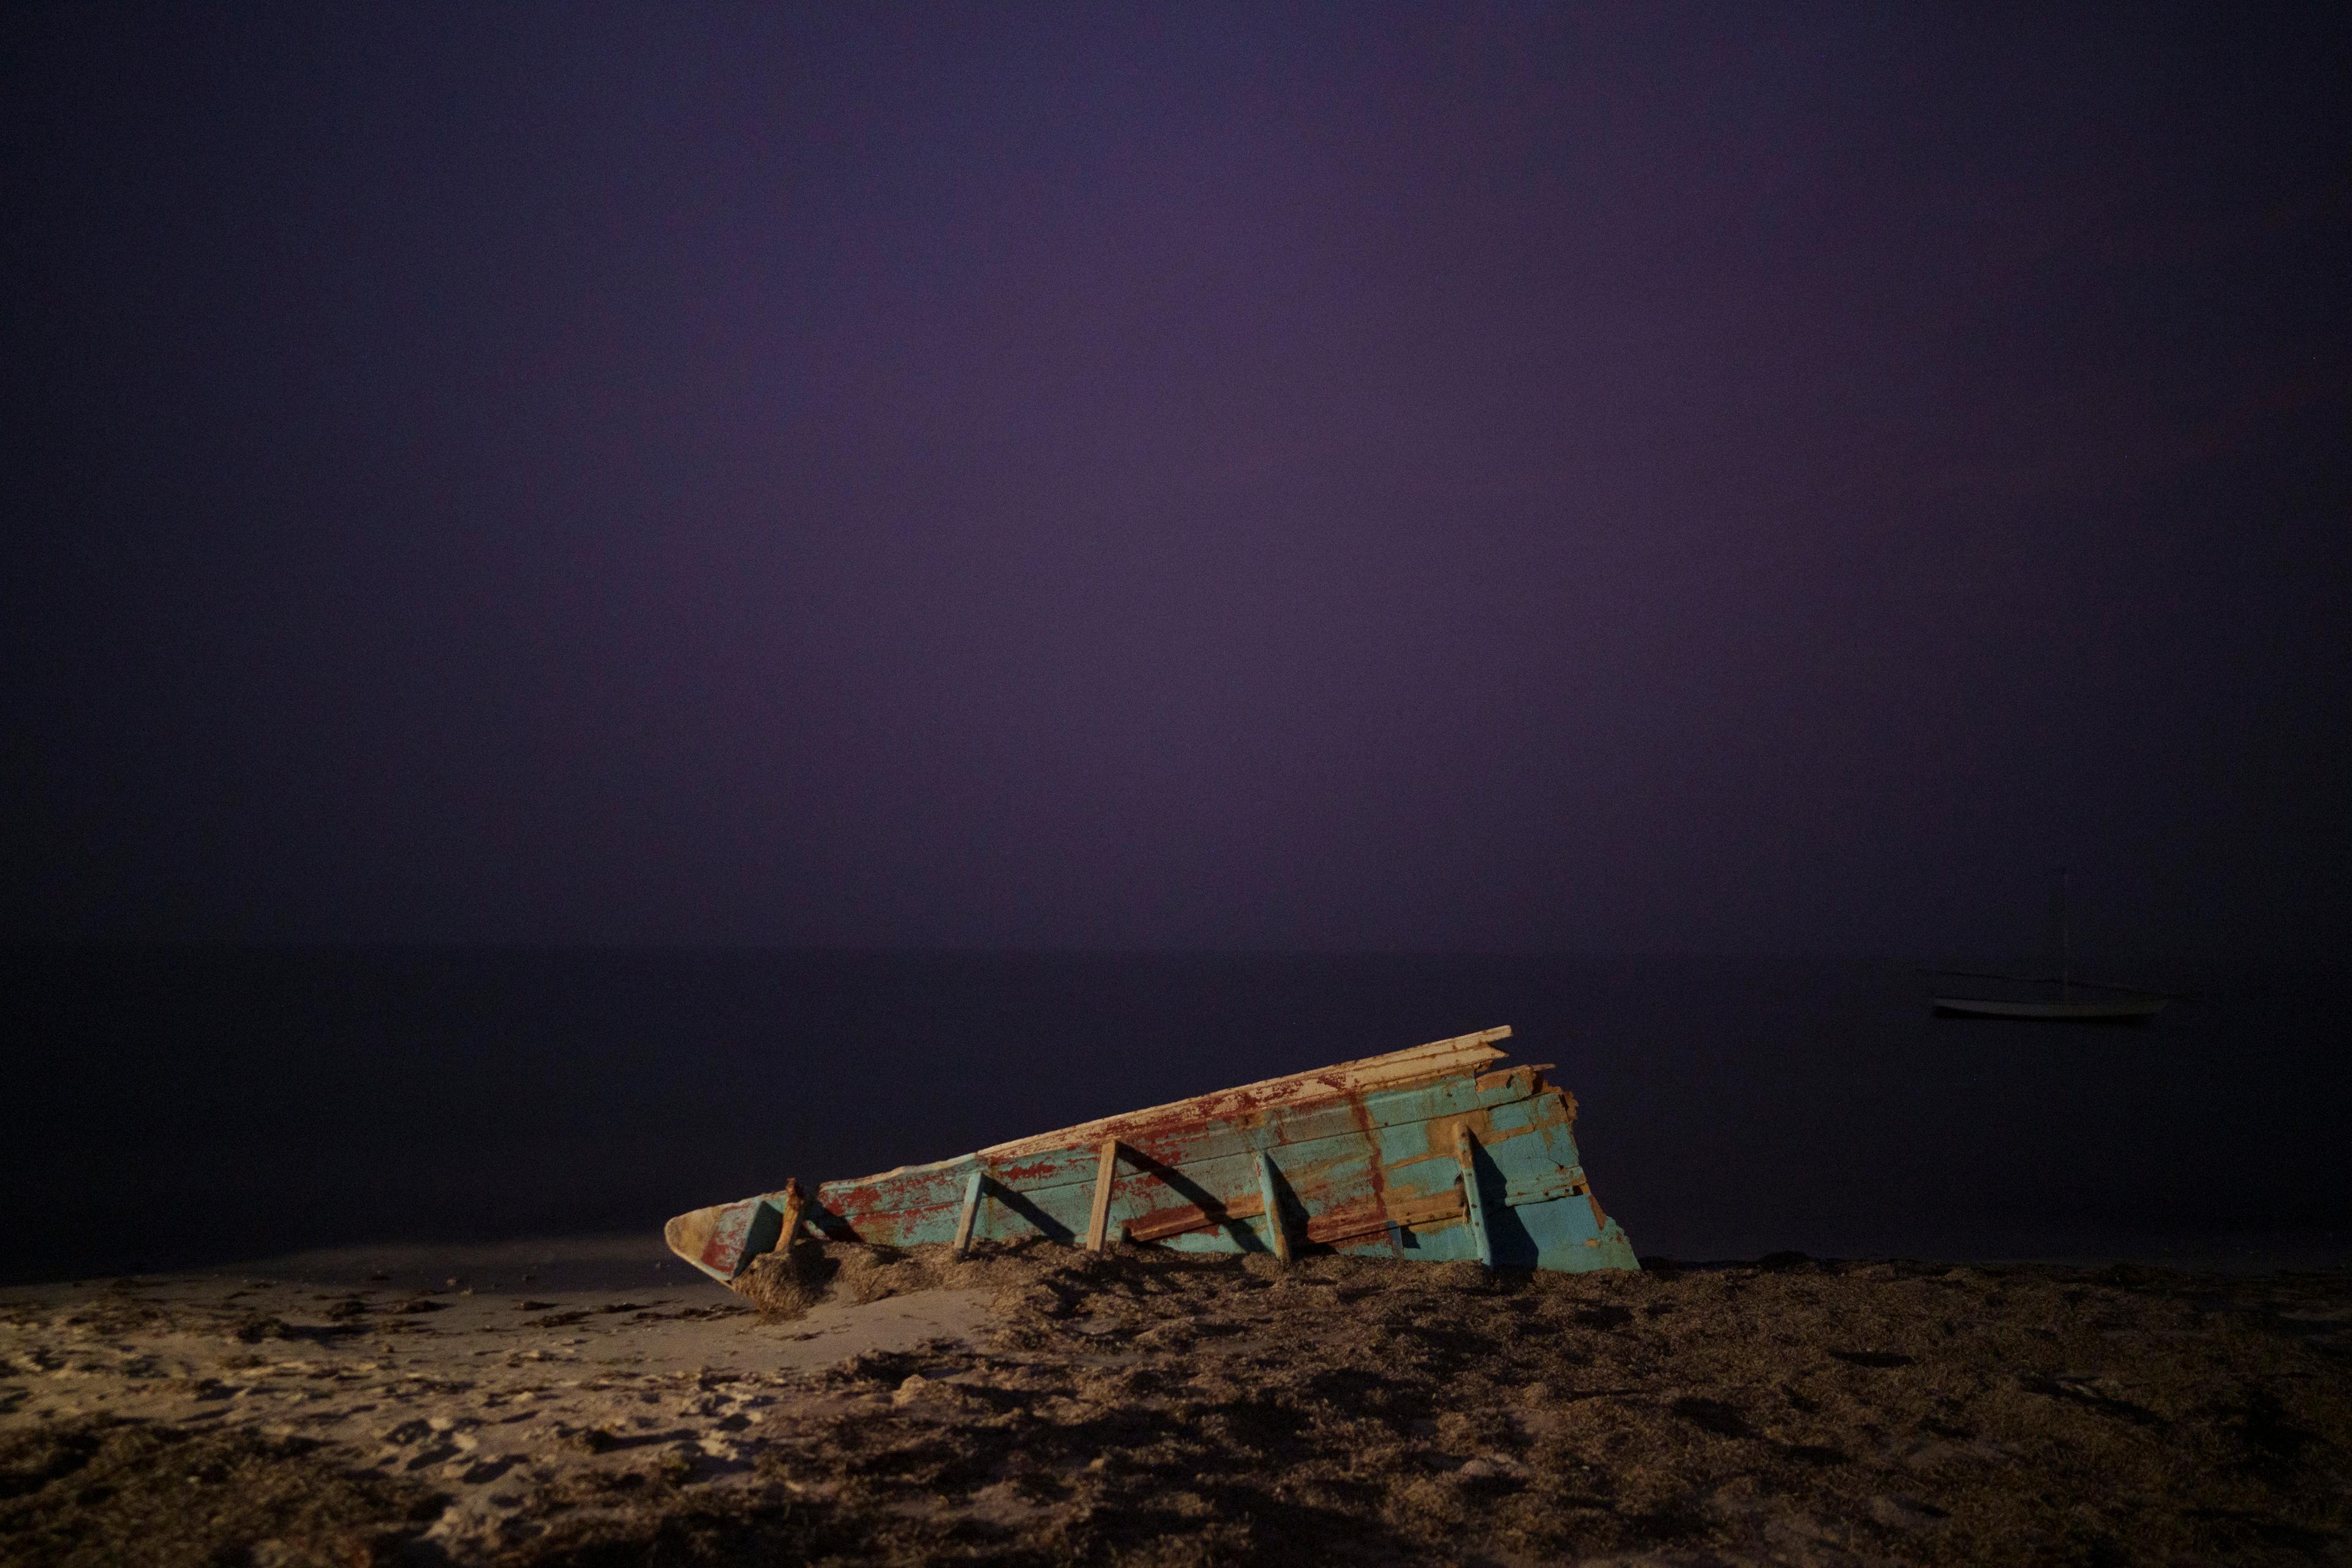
column 1437, row 1152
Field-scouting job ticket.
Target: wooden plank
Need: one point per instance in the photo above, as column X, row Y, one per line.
column 1162, row 1223
column 1464, row 1052
column 1323, row 1228
column 965, row 1220
column 1278, row 1234
column 1446, row 1206
column 1566, row 1182
column 1189, row 1144
column 1466, row 1152
column 1326, row 1229
column 1105, row 1171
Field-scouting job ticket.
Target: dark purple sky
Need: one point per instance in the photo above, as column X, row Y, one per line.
column 1177, row 475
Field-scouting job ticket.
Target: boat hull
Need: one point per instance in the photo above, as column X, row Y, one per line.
column 1436, row 1154
column 2132, row 1010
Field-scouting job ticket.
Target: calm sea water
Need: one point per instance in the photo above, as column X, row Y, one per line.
column 181, row 1107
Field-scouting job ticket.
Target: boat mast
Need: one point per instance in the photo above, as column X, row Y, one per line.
column 2065, row 945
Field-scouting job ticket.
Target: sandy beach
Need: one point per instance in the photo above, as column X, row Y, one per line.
column 596, row 1403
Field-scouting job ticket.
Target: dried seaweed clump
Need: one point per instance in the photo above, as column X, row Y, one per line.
column 785, row 1283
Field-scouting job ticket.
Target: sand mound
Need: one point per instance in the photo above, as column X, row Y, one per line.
column 1137, row 1407
column 105, row 1491
column 1032, row 1275
column 1145, row 1408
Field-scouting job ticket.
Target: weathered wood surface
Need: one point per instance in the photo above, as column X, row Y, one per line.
column 1466, row 1155
column 1431, row 1151
column 1269, row 1203
column 1105, row 1171
column 788, row 1222
column 971, row 1215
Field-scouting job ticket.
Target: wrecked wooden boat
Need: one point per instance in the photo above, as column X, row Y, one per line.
column 1436, row 1152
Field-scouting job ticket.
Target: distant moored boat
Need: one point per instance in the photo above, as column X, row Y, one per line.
column 2119, row 1005
column 2127, row 1009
